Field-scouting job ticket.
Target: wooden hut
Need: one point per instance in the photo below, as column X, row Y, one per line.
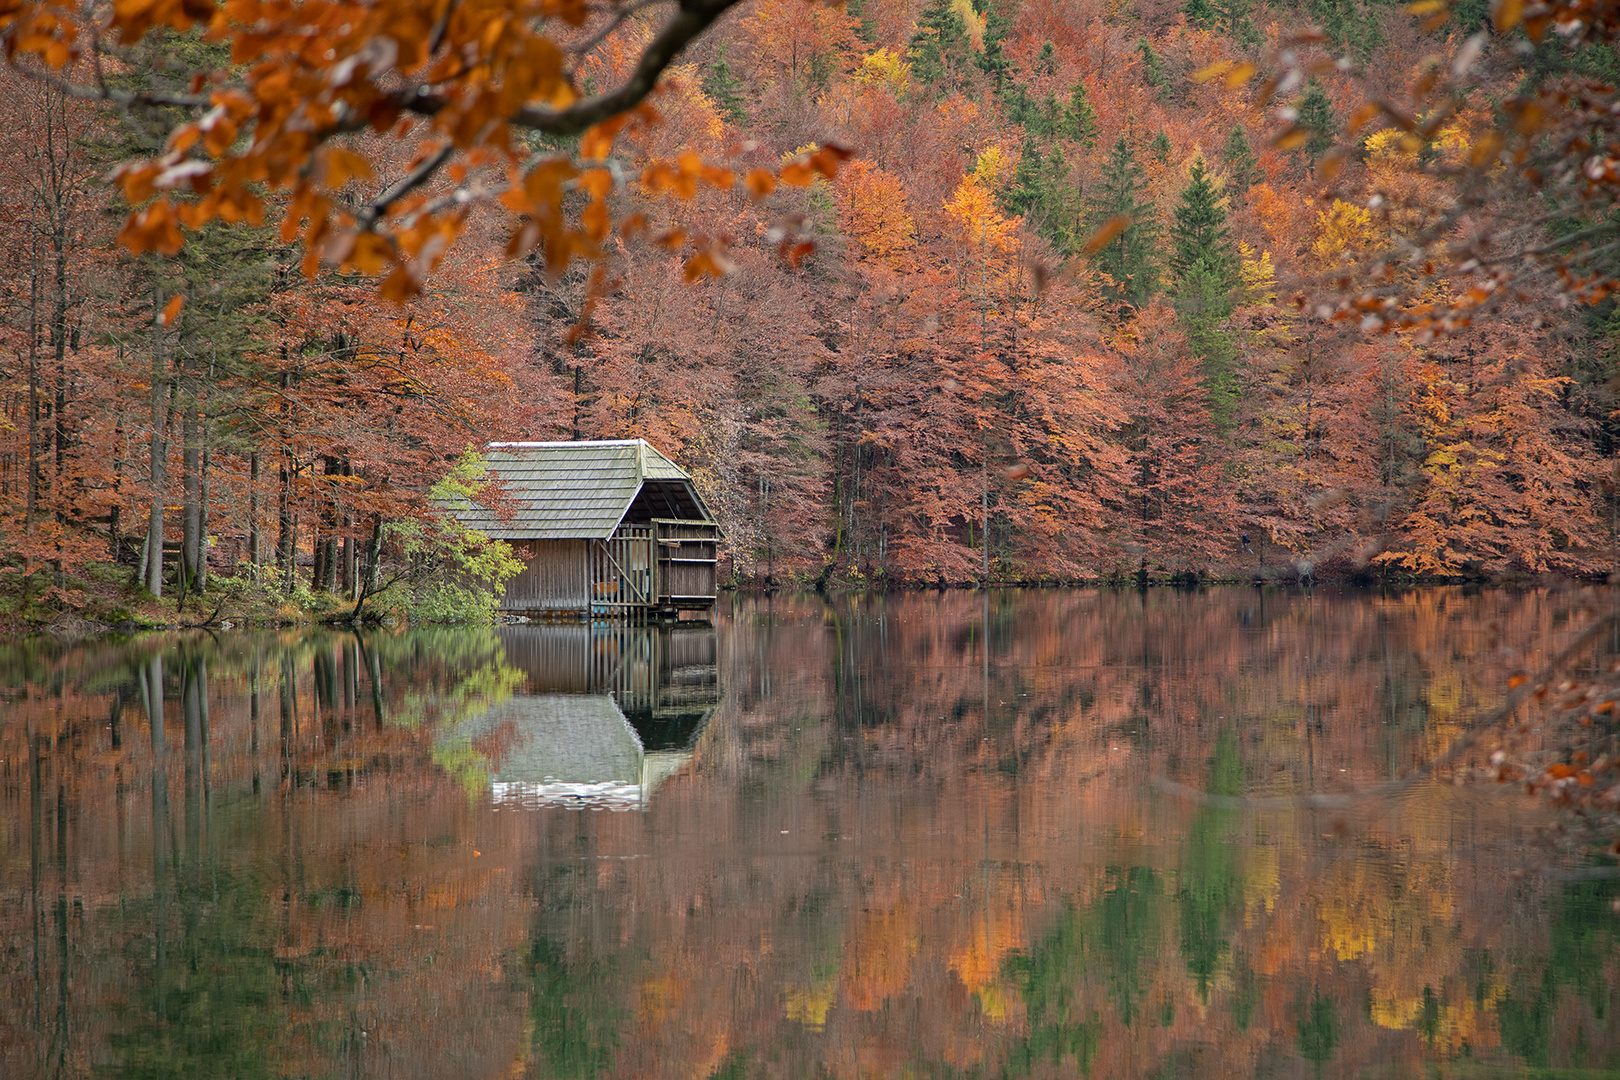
column 607, row 529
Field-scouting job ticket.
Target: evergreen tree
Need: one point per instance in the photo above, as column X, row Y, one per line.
column 722, row 87
column 1128, row 257
column 1316, row 117
column 1240, row 161
column 1046, row 63
column 867, row 30
column 1349, row 25
column 1204, row 271
column 940, row 46
column 993, row 60
column 1161, row 147
column 1079, row 118
column 1232, row 14
column 1200, row 13
column 1152, row 67
column 1045, row 119
column 1038, row 190
column 1015, row 103
column 1199, row 236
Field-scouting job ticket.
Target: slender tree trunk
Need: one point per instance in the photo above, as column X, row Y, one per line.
column 285, row 560
column 191, row 515
column 255, row 538
column 159, row 458
column 33, row 394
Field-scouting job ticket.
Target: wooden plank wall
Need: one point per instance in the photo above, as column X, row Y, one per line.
column 687, row 560
column 556, row 578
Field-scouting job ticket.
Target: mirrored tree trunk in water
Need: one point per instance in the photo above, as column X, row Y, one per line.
column 922, row 835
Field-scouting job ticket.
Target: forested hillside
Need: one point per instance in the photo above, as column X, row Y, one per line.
column 1058, row 317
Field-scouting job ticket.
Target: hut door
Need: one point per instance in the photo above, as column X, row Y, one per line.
column 621, row 569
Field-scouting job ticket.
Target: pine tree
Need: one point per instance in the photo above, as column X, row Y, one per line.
column 940, row 46
column 722, row 87
column 867, row 30
column 1046, row 63
column 1045, row 119
column 1240, row 161
column 993, row 60
column 1152, row 66
column 1199, row 237
column 1204, row 272
column 1200, row 13
column 1128, row 257
column 1015, row 103
column 1232, row 14
column 1316, row 117
column 1079, row 118
column 1161, row 147
column 1038, row 189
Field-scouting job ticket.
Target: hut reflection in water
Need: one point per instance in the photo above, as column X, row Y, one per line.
column 606, row 714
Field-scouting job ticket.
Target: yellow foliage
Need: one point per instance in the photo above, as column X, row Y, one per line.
column 872, row 210
column 972, row 22
column 1258, row 274
column 887, row 66
column 809, row 1005
column 1393, row 143
column 975, row 215
column 991, row 166
column 1343, row 231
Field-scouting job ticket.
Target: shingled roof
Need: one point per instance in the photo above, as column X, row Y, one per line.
column 572, row 490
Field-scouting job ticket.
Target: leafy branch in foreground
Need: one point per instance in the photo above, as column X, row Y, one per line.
column 463, row 83
column 1485, row 211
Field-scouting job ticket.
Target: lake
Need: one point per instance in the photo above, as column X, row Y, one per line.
column 928, row 835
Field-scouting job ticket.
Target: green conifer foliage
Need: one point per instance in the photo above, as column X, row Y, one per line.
column 1039, row 192
column 940, row 46
column 1204, row 272
column 722, row 87
column 1152, row 67
column 1079, row 118
column 1316, row 117
column 1128, row 257
column 867, row 30
column 1045, row 119
column 1015, row 103
column 1200, row 13
column 1199, row 236
column 1232, row 14
column 993, row 60
column 1241, row 163
column 1046, row 63
column 1161, row 146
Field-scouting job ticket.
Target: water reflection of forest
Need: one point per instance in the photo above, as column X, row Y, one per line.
column 914, row 835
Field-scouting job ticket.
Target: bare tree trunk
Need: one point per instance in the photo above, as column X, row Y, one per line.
column 159, row 457
column 255, row 538
column 285, row 560
column 33, row 394
column 191, row 514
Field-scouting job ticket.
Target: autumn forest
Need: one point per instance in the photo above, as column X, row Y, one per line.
column 1038, row 290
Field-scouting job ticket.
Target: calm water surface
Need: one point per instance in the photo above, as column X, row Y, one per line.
column 878, row 837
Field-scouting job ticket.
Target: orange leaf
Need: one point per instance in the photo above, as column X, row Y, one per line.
column 1506, row 14
column 1239, row 75
column 798, row 174
column 826, row 160
column 171, row 310
column 1106, row 234
column 760, row 183
column 1291, row 138
column 1213, row 71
